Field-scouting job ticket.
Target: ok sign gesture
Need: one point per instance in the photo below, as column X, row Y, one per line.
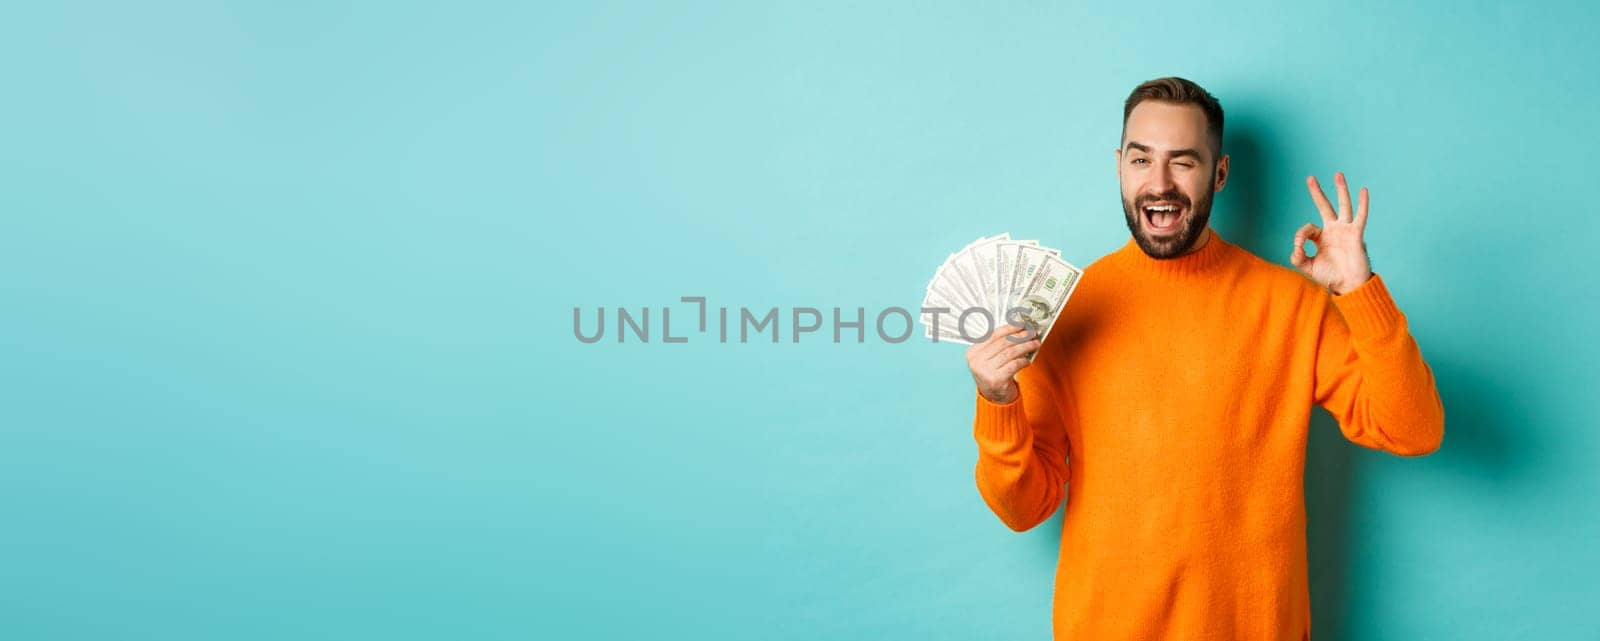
column 1341, row 262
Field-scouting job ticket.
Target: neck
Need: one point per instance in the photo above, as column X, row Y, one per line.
column 1205, row 237
column 1200, row 261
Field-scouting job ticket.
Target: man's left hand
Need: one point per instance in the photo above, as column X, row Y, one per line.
column 1341, row 262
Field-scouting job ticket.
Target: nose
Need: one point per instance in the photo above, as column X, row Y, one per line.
column 1161, row 179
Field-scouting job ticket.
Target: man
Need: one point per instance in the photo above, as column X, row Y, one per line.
column 1174, row 394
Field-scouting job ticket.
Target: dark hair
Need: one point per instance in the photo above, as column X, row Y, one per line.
column 1183, row 92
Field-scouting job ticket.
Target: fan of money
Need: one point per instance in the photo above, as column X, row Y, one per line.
column 994, row 281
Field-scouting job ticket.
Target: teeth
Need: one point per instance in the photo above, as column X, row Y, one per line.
column 1162, row 216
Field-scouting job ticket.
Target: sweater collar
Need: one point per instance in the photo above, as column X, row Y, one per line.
column 1203, row 261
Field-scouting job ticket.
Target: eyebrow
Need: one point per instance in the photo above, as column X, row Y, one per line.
column 1194, row 153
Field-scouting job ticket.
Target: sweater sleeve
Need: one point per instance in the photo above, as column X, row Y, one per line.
column 1022, row 452
column 1370, row 374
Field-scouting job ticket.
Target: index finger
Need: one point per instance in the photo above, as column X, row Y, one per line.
column 1321, row 199
column 1009, row 331
column 1001, row 336
column 997, row 339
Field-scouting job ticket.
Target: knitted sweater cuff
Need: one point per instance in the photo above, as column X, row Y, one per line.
column 1369, row 310
column 1000, row 424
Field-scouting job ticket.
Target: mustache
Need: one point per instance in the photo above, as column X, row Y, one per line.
column 1173, row 196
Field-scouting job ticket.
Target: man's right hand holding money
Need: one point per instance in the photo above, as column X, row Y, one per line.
column 996, row 361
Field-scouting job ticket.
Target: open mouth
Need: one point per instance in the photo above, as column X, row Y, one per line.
column 1162, row 217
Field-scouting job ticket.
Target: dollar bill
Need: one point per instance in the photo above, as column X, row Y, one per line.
column 1040, row 301
column 992, row 281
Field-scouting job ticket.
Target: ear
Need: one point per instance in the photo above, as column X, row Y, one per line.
column 1118, row 154
column 1222, row 173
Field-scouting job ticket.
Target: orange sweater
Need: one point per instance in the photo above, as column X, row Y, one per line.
column 1172, row 398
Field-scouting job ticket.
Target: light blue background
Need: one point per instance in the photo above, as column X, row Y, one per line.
column 287, row 296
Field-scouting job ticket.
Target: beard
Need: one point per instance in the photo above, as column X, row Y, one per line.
column 1194, row 224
